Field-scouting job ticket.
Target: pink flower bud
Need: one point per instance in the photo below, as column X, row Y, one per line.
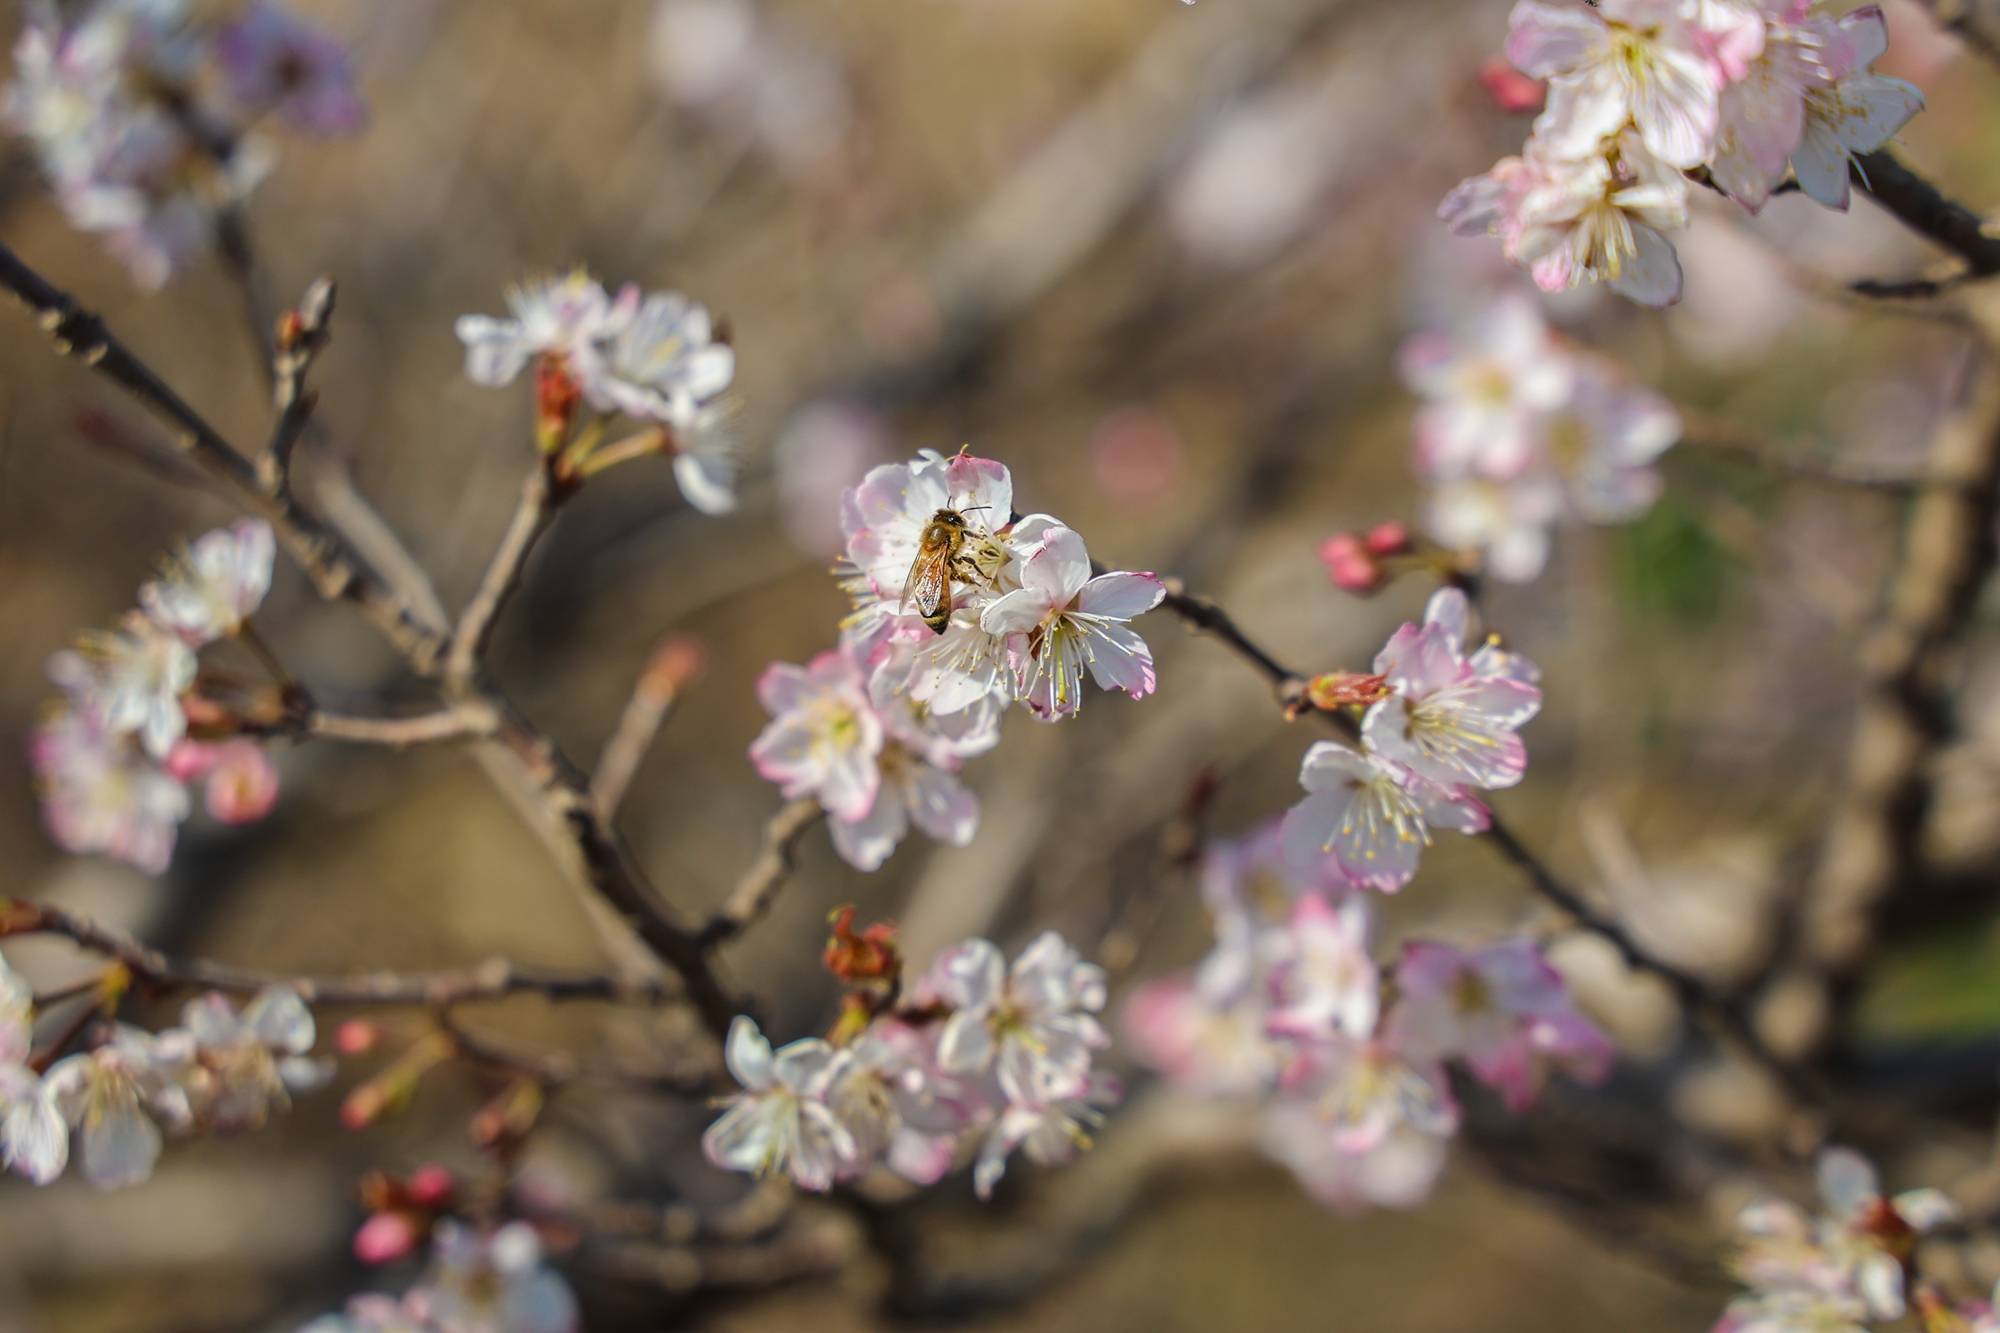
column 190, row 760
column 1386, row 539
column 674, row 666
column 357, row 1036
column 385, row 1238
column 1511, row 90
column 1349, row 563
column 242, row 784
column 363, row 1106
column 430, row 1186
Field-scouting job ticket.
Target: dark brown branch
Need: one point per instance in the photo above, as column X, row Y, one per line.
column 335, row 570
column 1924, row 209
column 494, row 979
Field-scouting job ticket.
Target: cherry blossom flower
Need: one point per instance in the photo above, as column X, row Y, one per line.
column 824, row 738
column 564, row 317
column 1604, row 219
column 1211, row 1041
column 1502, row 1010
column 885, row 515
column 110, row 1096
column 1487, row 386
column 34, row 1141
column 101, row 795
column 1614, row 62
column 274, row 61
column 664, row 363
column 912, row 791
column 1397, row 1172
column 1603, row 442
column 780, row 1121
column 1322, row 977
column 1443, row 720
column 115, row 95
column 1047, row 1133
column 495, row 1281
column 131, row 681
column 34, row 1138
column 211, row 587
column 1370, row 816
column 1506, row 522
column 1033, row 1024
column 1848, row 1257
column 241, row 784
column 1062, row 620
column 249, row 1063
column 1857, row 113
column 888, row 1090
column 1764, row 111
column 1364, row 1090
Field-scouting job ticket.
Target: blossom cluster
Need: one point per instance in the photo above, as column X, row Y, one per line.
column 223, row 1070
column 1520, row 431
column 653, row 357
column 877, row 728
column 1844, row 1268
column 478, row 1281
column 1641, row 93
column 1345, row 1060
column 1443, row 722
column 983, row 1058
column 134, row 727
column 143, row 112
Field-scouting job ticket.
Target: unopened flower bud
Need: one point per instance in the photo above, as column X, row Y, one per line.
column 1387, row 539
column 430, row 1186
column 1511, row 90
column 356, row 1036
column 1345, row 689
column 556, row 397
column 242, row 784
column 386, row 1237
column 1349, row 563
column 868, row 956
column 673, row 666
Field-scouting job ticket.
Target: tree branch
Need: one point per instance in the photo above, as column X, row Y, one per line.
column 495, row 979
column 759, row 886
column 531, row 519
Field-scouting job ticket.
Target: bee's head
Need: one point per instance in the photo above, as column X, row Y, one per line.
column 949, row 517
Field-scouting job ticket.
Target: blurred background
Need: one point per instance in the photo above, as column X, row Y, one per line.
column 1155, row 258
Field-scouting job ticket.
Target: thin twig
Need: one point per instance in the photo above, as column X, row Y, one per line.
column 758, row 888
column 494, row 979
column 666, row 673
column 503, row 576
column 301, row 337
column 460, row 722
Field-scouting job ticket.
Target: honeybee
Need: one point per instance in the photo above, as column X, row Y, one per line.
column 941, row 555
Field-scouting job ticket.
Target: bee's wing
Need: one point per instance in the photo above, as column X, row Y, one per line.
column 928, row 588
